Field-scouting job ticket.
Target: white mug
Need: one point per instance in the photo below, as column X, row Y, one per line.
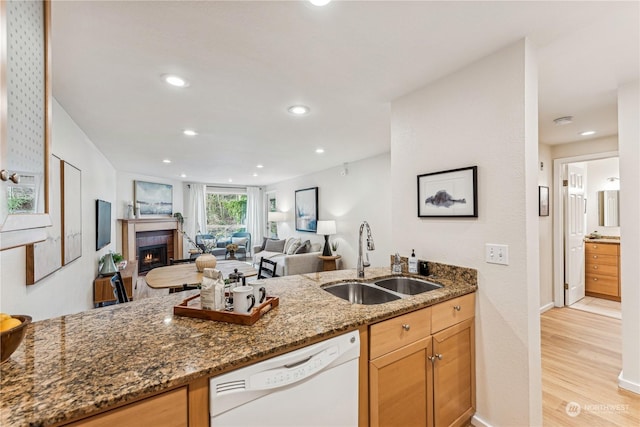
column 243, row 299
column 259, row 292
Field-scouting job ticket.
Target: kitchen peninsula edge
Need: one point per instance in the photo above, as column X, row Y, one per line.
column 78, row 365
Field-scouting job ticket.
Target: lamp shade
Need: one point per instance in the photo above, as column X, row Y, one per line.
column 276, row 216
column 326, row 227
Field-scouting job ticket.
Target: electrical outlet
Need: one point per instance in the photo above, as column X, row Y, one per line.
column 497, row 254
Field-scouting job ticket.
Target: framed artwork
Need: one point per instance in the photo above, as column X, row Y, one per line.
column 153, row 199
column 543, row 201
column 44, row 258
column 71, row 213
column 307, row 209
column 452, row 193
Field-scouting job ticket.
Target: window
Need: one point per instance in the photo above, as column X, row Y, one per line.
column 226, row 211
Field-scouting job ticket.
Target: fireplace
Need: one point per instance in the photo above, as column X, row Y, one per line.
column 152, row 256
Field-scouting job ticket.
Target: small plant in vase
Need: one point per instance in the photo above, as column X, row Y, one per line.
column 334, row 246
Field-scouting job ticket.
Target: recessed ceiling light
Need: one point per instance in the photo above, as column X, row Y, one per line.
column 319, row 150
column 255, row 174
column 230, row 180
column 189, row 132
column 563, row 120
column 174, row 80
column 319, row 2
column 259, row 166
column 183, row 175
column 166, row 161
column 299, row 110
column 588, row 132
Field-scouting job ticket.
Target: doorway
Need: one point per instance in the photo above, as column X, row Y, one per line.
column 560, row 223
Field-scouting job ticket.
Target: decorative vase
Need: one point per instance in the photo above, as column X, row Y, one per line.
column 206, row 261
column 108, row 267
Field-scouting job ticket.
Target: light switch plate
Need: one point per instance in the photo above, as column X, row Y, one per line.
column 497, row 254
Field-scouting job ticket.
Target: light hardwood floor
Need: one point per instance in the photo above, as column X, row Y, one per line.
column 581, row 361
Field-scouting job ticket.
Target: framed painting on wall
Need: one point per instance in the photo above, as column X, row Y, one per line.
column 44, row 258
column 71, row 213
column 451, row 193
column 153, row 199
column 306, row 205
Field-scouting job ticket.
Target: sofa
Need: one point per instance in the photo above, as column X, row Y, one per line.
column 242, row 239
column 293, row 255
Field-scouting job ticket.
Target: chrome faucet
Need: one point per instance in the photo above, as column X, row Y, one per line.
column 370, row 247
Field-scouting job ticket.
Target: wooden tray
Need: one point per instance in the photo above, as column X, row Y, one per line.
column 195, row 310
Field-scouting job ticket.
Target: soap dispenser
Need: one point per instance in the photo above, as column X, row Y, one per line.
column 413, row 262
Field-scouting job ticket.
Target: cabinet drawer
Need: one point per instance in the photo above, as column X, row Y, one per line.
column 598, row 258
column 601, row 248
column 397, row 332
column 601, row 284
column 603, row 269
column 450, row 312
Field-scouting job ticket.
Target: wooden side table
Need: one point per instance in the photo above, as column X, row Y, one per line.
column 329, row 262
column 102, row 290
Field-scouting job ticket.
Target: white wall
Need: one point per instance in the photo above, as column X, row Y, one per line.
column 597, row 173
column 545, row 178
column 484, row 115
column 70, row 289
column 579, row 148
column 125, row 191
column 629, row 137
column 363, row 194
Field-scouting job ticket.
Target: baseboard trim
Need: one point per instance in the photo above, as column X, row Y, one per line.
column 479, row 422
column 547, row 307
column 628, row 385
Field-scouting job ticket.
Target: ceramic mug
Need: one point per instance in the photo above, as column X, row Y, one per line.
column 243, row 299
column 259, row 291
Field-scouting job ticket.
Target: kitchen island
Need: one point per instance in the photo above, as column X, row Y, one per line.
column 74, row 366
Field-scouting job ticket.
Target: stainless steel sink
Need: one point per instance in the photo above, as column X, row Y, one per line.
column 361, row 293
column 407, row 285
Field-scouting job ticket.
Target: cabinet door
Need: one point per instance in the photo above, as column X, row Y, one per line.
column 400, row 387
column 454, row 374
column 165, row 410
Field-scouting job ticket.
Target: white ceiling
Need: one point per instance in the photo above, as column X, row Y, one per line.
column 248, row 61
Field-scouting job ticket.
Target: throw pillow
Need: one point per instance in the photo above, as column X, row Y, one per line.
column 304, row 248
column 288, row 243
column 274, row 246
column 240, row 241
column 293, row 247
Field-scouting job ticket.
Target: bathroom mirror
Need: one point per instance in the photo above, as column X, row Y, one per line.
column 609, row 208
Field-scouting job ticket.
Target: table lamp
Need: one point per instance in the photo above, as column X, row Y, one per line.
column 327, row 228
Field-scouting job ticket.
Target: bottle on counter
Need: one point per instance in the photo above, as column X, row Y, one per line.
column 397, row 264
column 413, row 262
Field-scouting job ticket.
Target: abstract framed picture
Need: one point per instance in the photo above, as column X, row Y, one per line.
column 307, row 209
column 451, row 193
column 153, row 199
column 71, row 213
column 543, row 201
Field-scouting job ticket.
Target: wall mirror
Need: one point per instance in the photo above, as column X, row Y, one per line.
column 609, row 208
column 24, row 121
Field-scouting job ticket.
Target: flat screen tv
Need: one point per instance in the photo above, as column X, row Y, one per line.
column 103, row 223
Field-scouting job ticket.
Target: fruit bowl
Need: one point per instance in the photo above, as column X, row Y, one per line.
column 11, row 338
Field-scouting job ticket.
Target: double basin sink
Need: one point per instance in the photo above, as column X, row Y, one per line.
column 380, row 291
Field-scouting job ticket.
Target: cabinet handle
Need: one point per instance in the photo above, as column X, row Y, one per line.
column 431, row 358
column 595, row 279
column 406, row 327
column 595, row 257
column 456, row 307
column 595, row 267
column 438, row 356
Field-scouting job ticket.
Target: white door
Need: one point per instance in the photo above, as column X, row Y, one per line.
column 575, row 222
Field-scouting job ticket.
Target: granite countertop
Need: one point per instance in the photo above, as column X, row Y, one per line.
column 75, row 365
column 610, row 240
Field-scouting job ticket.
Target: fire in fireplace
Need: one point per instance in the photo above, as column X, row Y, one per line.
column 150, row 257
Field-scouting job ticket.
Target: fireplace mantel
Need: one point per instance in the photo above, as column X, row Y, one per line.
column 132, row 226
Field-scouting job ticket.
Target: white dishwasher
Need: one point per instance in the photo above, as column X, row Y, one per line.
column 314, row 386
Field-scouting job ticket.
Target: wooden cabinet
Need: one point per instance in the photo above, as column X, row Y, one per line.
column 422, row 367
column 602, row 270
column 164, row 410
column 102, row 290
